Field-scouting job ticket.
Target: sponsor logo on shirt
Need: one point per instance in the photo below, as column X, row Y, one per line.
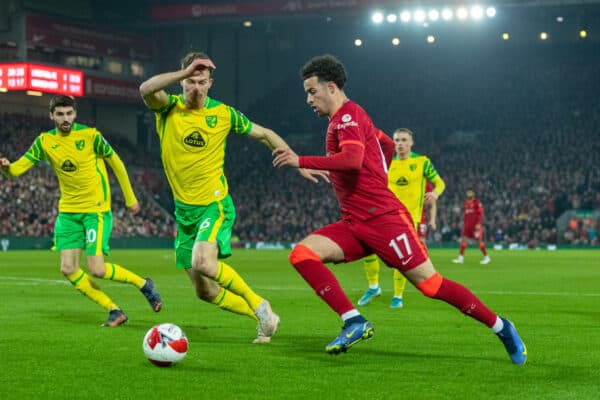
column 346, row 124
column 195, row 140
column 68, row 166
column 346, row 118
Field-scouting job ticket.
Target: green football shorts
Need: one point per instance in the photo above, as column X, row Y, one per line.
column 211, row 223
column 89, row 231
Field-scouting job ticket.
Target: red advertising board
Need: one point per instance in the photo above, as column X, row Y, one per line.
column 43, row 78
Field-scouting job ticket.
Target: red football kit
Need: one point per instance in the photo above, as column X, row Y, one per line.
column 472, row 216
column 372, row 219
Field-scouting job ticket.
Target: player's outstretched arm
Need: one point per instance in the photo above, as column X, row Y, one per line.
column 116, row 164
column 19, row 167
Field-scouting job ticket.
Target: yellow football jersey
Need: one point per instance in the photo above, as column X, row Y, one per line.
column 77, row 158
column 407, row 180
column 192, row 144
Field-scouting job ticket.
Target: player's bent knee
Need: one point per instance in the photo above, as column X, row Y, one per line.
column 302, row 253
column 430, row 286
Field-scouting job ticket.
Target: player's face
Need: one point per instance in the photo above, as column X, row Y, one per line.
column 63, row 118
column 470, row 194
column 195, row 88
column 318, row 96
column 404, row 143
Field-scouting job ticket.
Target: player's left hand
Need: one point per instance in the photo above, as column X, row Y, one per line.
column 134, row 208
column 431, row 197
column 432, row 225
column 285, row 157
column 313, row 174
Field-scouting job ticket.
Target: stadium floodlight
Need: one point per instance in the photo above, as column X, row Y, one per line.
column 391, row 18
column 358, row 42
column 433, row 15
column 377, row 17
column 430, row 39
column 544, row 36
column 396, row 41
column 476, row 12
column 559, row 19
column 505, row 36
column 447, row 14
column 419, row 16
column 462, row 13
column 490, row 12
column 405, row 16
column 247, row 24
column 583, row 33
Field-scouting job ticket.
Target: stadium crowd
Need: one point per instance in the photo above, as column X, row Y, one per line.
column 522, row 135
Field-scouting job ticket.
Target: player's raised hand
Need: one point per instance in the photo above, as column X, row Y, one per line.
column 285, row 157
column 431, row 197
column 197, row 65
column 134, row 208
column 313, row 174
column 4, row 162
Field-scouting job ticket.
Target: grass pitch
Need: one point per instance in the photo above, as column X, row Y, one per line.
column 52, row 345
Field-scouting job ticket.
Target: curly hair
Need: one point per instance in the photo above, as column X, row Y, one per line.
column 326, row 68
column 61, row 100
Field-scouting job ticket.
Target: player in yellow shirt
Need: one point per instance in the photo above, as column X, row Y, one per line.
column 77, row 154
column 192, row 129
column 407, row 178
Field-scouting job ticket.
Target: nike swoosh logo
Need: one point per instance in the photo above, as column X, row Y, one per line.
column 404, row 262
column 349, row 335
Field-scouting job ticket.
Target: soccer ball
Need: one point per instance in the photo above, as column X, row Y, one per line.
column 165, row 345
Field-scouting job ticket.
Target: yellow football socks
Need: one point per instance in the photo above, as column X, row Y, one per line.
column 84, row 283
column 229, row 279
column 372, row 270
column 399, row 283
column 232, row 302
column 117, row 273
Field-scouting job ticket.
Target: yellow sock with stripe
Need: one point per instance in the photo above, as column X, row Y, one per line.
column 229, row 279
column 399, row 283
column 115, row 272
column 371, row 265
column 230, row 301
column 84, row 283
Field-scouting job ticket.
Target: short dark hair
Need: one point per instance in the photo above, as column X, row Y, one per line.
column 404, row 130
column 326, row 68
column 60, row 100
column 193, row 55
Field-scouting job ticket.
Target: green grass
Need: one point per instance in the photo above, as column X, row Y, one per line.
column 51, row 345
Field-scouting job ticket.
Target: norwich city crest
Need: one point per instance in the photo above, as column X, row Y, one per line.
column 211, row 120
column 412, row 167
column 80, row 144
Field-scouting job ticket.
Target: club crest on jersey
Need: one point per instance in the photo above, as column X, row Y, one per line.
column 402, row 181
column 211, row 120
column 80, row 144
column 68, row 166
column 412, row 167
column 195, row 140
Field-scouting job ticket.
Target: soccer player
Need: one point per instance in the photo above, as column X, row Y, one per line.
column 372, row 219
column 472, row 227
column 78, row 154
column 408, row 176
column 192, row 128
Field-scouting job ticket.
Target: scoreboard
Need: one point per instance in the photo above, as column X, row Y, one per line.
column 43, row 78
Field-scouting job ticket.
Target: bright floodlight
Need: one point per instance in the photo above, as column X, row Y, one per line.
column 395, row 41
column 543, row 36
column 247, row 24
column 433, row 15
column 490, row 12
column 358, row 42
column 419, row 16
column 405, row 16
column 377, row 17
column 430, row 39
column 476, row 12
column 583, row 33
column 462, row 13
column 505, row 36
column 391, row 18
column 447, row 14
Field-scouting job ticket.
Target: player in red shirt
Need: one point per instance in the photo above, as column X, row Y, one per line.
column 472, row 227
column 373, row 221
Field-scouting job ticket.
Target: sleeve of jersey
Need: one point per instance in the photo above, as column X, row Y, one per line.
column 350, row 159
column 239, row 122
column 34, row 155
column 101, row 146
column 168, row 107
column 387, row 147
column 115, row 163
column 432, row 175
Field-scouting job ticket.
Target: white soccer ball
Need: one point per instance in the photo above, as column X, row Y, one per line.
column 165, row 345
